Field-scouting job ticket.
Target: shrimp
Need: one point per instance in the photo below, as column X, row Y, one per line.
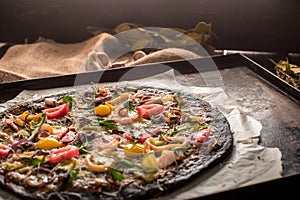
column 167, row 158
column 109, row 144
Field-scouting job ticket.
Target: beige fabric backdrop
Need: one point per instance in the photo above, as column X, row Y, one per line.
column 49, row 58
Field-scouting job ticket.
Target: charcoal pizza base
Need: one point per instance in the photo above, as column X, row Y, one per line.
column 186, row 171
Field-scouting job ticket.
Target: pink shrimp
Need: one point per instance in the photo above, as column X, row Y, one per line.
column 167, row 158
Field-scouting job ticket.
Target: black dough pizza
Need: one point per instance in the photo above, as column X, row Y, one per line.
column 109, row 142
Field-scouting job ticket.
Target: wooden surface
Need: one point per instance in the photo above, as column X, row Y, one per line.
column 261, row 25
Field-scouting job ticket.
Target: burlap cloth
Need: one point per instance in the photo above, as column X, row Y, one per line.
column 49, row 58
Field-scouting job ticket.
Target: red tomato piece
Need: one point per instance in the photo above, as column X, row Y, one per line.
column 4, row 151
column 202, row 135
column 150, row 109
column 56, row 112
column 64, row 153
column 143, row 138
column 128, row 137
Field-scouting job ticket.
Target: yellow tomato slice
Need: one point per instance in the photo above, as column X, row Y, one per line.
column 48, row 143
column 102, row 110
column 134, row 150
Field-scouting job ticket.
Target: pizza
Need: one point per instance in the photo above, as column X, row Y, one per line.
column 109, row 142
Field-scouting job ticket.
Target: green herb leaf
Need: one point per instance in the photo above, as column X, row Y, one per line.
column 69, row 101
column 83, row 149
column 117, row 175
column 37, row 126
column 129, row 106
column 110, row 124
column 69, row 179
column 72, row 176
column 33, row 161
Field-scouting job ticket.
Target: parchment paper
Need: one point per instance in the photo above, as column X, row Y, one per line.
column 249, row 162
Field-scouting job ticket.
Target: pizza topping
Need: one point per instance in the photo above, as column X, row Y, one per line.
column 88, row 162
column 56, row 112
column 63, row 153
column 112, row 138
column 46, row 127
column 4, row 151
column 108, row 144
column 69, row 101
column 139, row 138
column 117, row 175
column 35, row 127
column 40, row 177
column 102, row 110
column 12, row 124
column 50, row 101
column 100, row 100
column 18, row 122
column 59, row 132
column 163, row 143
column 69, row 137
column 102, row 91
column 21, row 143
column 148, row 110
column 123, row 97
column 149, row 162
column 24, row 115
column 110, row 124
column 198, row 137
column 167, row 158
column 134, row 149
column 48, row 143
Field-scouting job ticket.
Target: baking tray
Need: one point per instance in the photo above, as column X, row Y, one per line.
column 267, row 98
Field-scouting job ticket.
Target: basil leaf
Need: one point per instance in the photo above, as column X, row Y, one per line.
column 72, row 176
column 110, row 124
column 67, row 180
column 69, row 101
column 117, row 175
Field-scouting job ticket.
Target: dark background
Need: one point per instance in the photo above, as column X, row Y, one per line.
column 254, row 25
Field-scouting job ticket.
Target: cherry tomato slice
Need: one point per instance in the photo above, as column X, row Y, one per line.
column 202, row 135
column 64, row 153
column 56, row 112
column 141, row 139
column 4, row 151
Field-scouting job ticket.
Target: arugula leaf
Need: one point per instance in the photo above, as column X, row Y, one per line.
column 83, row 149
column 37, row 126
column 110, row 124
column 129, row 106
column 117, row 175
column 33, row 161
column 69, row 101
column 69, row 179
column 72, row 176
